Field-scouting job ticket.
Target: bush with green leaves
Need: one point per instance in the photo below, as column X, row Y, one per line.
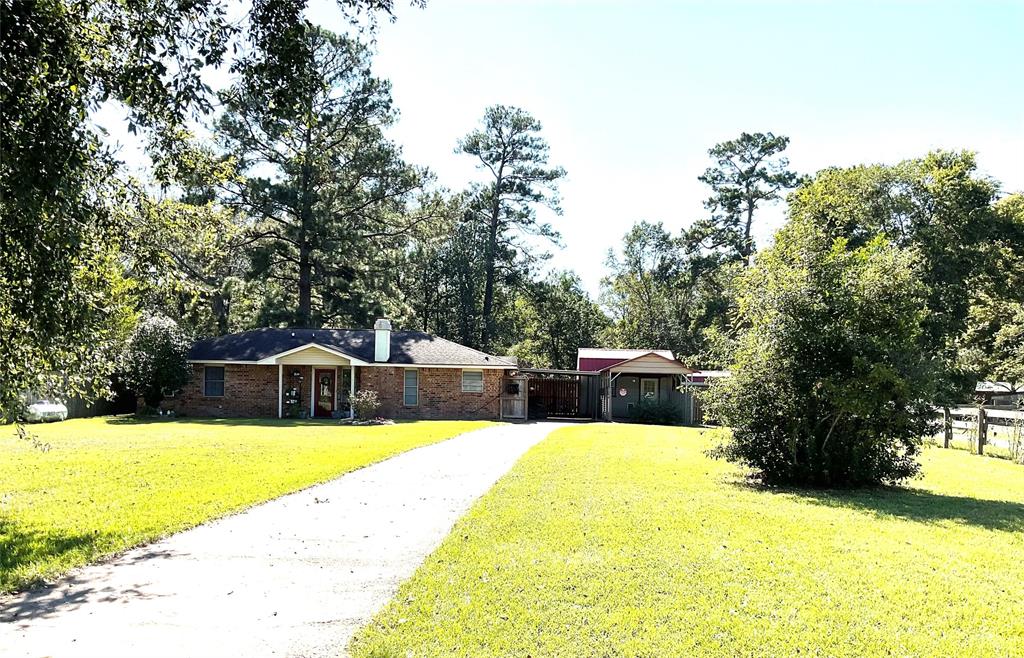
column 831, row 381
column 365, row 404
column 656, row 412
column 155, row 362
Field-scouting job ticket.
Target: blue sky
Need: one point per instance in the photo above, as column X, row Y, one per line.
column 632, row 94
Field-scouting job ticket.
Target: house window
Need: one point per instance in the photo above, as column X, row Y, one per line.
column 213, row 381
column 472, row 381
column 649, row 389
column 412, row 388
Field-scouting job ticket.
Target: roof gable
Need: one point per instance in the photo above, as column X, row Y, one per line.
column 599, row 358
column 310, row 348
column 653, row 360
column 614, row 353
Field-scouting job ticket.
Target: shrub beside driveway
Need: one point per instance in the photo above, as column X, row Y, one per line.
column 626, row 540
column 108, row 484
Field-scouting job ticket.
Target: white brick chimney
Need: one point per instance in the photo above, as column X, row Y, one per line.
column 382, row 340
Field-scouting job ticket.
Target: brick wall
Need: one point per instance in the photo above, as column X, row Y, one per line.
column 249, row 391
column 440, row 393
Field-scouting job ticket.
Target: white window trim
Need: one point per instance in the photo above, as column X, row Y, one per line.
column 656, row 387
column 473, row 370
column 223, row 382
column 405, row 387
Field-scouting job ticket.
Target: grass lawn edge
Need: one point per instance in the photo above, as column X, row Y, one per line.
column 50, row 577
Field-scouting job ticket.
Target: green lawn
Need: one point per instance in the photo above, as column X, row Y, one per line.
column 618, row 540
column 111, row 483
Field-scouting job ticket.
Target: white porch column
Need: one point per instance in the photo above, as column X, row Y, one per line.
column 612, row 394
column 352, row 392
column 280, row 390
column 312, row 390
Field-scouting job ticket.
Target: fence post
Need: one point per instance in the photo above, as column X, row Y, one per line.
column 982, row 430
column 947, row 427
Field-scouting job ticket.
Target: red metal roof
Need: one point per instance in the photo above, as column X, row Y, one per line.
column 597, row 364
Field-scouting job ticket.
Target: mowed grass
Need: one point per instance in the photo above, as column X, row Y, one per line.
column 108, row 484
column 619, row 540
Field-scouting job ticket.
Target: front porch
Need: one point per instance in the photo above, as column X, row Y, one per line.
column 315, row 382
column 647, row 378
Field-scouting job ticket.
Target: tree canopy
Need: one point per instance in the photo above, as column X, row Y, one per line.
column 554, row 318
column 66, row 301
column 750, row 171
column 938, row 206
column 328, row 192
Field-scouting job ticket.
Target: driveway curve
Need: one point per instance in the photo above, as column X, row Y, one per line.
column 296, row 576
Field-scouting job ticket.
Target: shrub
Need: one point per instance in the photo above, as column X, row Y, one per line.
column 656, row 412
column 831, row 380
column 365, row 404
column 156, row 359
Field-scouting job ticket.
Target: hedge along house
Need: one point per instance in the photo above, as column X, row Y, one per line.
column 315, row 373
column 629, row 377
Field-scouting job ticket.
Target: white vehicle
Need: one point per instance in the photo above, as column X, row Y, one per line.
column 45, row 411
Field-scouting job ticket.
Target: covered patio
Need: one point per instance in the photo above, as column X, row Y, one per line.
column 650, row 376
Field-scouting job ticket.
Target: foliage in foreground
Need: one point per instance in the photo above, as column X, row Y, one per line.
column 156, row 360
column 66, row 301
column 108, row 484
column 656, row 412
column 831, row 384
column 365, row 404
column 616, row 540
column 63, row 299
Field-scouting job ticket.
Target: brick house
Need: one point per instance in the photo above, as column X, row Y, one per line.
column 314, row 372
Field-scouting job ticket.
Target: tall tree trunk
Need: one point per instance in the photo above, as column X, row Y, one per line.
column 748, row 252
column 304, row 317
column 489, row 258
column 947, row 427
column 305, row 312
column 219, row 308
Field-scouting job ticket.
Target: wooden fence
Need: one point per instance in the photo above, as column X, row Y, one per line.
column 985, row 426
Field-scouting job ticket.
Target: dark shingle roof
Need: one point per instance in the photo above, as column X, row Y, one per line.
column 407, row 347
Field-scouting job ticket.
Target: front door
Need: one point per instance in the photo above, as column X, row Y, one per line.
column 323, row 401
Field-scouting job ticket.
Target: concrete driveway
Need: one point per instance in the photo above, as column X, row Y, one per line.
column 293, row 577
